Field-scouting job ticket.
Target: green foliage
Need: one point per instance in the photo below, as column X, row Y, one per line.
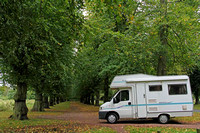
column 11, row 94
column 3, row 90
column 126, row 37
column 194, row 75
column 37, row 40
column 6, row 105
column 30, row 94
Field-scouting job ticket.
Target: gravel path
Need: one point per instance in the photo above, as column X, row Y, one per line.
column 89, row 116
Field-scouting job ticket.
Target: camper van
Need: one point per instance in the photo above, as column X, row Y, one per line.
column 148, row 96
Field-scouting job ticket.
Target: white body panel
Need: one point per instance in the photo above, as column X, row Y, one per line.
column 141, row 100
column 144, row 102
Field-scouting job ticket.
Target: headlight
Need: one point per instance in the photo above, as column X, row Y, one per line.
column 100, row 108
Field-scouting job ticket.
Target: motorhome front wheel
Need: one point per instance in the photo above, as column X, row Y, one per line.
column 112, row 118
column 163, row 119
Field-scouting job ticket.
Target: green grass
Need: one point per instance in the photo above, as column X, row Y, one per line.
column 6, row 123
column 132, row 129
column 197, row 106
column 192, row 119
column 34, row 124
column 60, row 107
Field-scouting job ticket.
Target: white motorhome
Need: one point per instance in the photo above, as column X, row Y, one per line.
column 147, row 96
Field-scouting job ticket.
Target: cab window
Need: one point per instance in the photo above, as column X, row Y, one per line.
column 122, row 96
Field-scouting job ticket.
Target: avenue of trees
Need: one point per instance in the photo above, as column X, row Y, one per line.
column 74, row 48
column 127, row 37
column 36, row 48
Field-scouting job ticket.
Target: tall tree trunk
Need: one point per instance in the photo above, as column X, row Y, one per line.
column 4, row 83
column 106, row 89
column 51, row 100
column 92, row 99
column 20, row 109
column 46, row 102
column 54, row 100
column 85, row 100
column 163, row 33
column 97, row 98
column 197, row 96
column 81, row 99
column 62, row 99
column 88, row 98
column 58, row 100
column 38, row 105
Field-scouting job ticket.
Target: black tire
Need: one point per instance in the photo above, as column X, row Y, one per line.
column 112, row 118
column 163, row 119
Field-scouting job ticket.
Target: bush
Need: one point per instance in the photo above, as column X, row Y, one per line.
column 6, row 105
column 30, row 94
column 2, row 90
column 11, row 94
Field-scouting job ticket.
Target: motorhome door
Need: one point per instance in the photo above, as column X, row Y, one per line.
column 122, row 103
column 141, row 107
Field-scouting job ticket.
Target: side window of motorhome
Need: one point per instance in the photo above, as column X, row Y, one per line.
column 177, row 89
column 155, row 88
column 123, row 96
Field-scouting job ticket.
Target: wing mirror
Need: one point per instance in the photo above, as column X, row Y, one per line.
column 115, row 100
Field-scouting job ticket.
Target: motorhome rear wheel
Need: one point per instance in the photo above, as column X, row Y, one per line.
column 163, row 119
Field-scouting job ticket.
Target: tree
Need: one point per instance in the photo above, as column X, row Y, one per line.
column 195, row 82
column 123, row 37
column 30, row 33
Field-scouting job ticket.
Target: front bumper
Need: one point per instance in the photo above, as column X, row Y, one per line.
column 102, row 114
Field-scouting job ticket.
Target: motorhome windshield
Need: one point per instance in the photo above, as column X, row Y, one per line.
column 114, row 94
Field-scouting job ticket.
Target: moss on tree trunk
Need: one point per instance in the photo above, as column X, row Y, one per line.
column 38, row 105
column 20, row 109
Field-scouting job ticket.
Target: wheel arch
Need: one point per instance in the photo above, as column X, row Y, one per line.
column 112, row 112
column 167, row 114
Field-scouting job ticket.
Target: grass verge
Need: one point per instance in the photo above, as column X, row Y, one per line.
column 132, row 129
column 192, row 119
column 197, row 106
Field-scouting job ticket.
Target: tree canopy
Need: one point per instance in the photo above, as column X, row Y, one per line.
column 37, row 44
column 127, row 37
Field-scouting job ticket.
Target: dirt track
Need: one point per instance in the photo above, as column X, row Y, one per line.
column 89, row 115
